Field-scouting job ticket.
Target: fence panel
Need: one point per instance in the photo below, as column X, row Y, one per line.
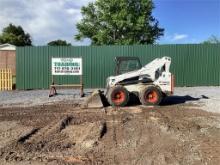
column 192, row 64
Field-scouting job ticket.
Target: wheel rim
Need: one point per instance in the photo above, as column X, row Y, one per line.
column 118, row 97
column 151, row 97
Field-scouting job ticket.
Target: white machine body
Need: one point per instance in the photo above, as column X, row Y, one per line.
column 156, row 73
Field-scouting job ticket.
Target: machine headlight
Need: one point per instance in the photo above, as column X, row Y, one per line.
column 110, row 81
column 107, row 81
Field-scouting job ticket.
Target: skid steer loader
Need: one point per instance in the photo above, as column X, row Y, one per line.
column 150, row 83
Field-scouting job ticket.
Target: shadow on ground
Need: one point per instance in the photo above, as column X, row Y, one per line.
column 173, row 100
column 170, row 100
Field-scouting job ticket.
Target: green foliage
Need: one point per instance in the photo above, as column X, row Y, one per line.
column 121, row 22
column 212, row 40
column 15, row 35
column 59, row 43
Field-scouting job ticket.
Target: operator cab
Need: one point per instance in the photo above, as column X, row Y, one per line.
column 127, row 64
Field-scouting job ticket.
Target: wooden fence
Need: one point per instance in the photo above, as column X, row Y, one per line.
column 5, row 79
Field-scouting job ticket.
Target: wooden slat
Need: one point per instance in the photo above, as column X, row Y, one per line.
column 67, row 85
column 5, row 79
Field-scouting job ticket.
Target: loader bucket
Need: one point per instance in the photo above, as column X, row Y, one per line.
column 96, row 100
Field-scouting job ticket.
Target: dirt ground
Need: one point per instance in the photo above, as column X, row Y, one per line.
column 64, row 133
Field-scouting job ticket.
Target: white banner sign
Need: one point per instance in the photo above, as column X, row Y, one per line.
column 66, row 66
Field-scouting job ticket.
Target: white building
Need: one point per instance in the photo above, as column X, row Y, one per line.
column 7, row 47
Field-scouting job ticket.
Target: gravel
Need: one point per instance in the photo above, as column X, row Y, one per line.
column 208, row 98
column 38, row 97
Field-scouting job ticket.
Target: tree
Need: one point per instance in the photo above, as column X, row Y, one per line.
column 119, row 22
column 212, row 40
column 15, row 35
column 59, row 43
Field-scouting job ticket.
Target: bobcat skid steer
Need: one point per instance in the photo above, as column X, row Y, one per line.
column 150, row 83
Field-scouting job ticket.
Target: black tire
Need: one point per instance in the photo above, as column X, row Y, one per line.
column 151, row 96
column 118, row 96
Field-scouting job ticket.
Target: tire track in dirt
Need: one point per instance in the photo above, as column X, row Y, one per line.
column 38, row 140
column 103, row 129
column 25, row 137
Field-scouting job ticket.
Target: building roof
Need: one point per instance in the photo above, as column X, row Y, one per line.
column 7, row 47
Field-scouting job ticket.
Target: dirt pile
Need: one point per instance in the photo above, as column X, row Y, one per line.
column 66, row 134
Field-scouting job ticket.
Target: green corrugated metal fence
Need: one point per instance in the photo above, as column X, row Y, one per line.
column 192, row 64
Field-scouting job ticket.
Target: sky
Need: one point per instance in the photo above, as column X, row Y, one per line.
column 184, row 21
column 188, row 21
